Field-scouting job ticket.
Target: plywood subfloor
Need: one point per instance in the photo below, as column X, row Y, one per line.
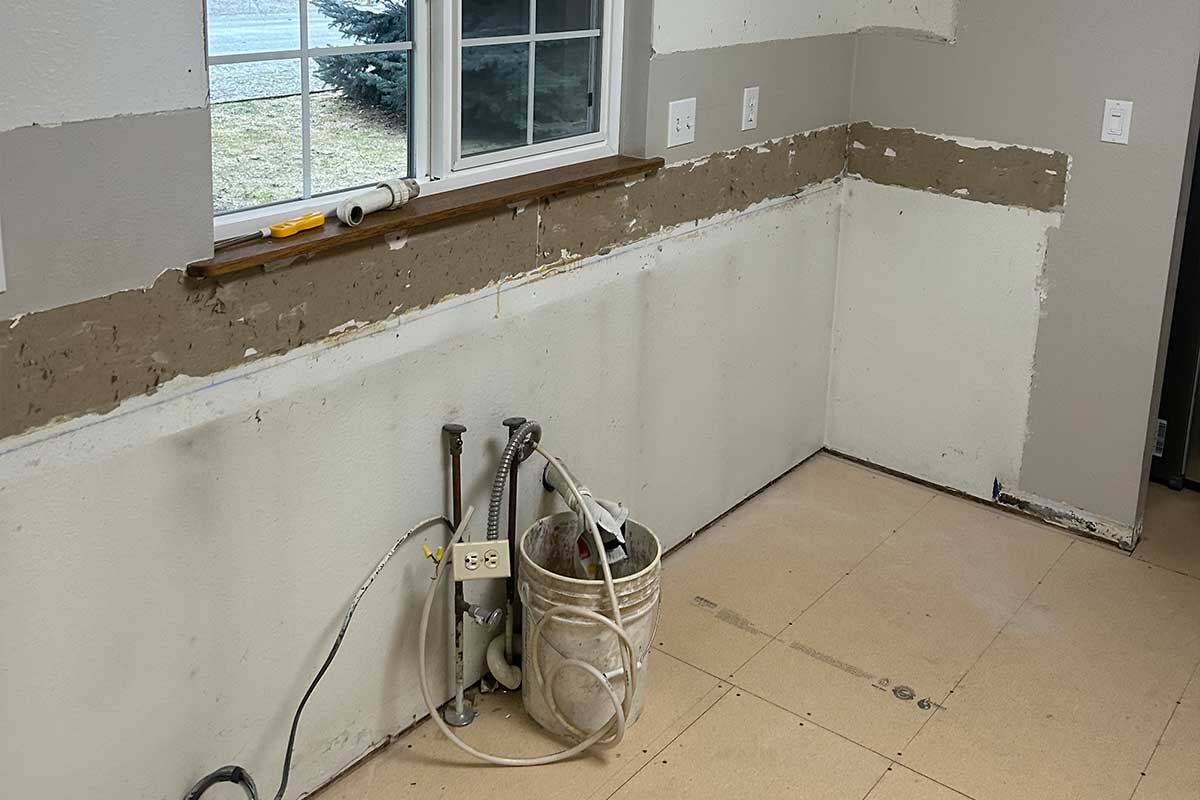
column 847, row 634
column 1171, row 536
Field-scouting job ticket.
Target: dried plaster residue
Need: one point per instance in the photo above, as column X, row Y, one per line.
column 90, row 356
column 983, row 172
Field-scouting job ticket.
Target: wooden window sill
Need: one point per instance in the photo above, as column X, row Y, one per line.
column 443, row 207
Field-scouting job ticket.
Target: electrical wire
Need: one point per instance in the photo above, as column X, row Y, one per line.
column 608, row 735
column 238, row 775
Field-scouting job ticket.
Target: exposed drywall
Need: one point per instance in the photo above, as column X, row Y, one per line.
column 982, row 171
column 584, row 223
column 72, row 60
column 173, row 572
column 933, row 345
column 92, row 355
column 936, row 20
column 1038, row 72
column 681, row 25
column 803, row 84
column 91, row 208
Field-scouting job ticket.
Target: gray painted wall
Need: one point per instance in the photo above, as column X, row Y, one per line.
column 1037, row 72
column 91, row 208
column 804, row 84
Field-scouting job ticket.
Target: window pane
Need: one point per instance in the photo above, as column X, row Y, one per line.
column 555, row 16
column 481, row 18
column 252, row 26
column 495, row 98
column 338, row 23
column 566, row 82
column 256, row 144
column 358, row 111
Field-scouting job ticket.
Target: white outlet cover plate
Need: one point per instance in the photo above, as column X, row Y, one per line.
column 681, row 122
column 1118, row 118
column 750, row 108
column 478, row 561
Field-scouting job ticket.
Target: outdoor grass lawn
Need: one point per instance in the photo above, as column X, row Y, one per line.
column 256, row 148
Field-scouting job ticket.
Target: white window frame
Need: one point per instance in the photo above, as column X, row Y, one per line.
column 434, row 112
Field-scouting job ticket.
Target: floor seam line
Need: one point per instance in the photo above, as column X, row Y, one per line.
column 1147, row 561
column 990, row 644
column 879, row 780
column 1166, row 727
column 843, row 576
column 810, row 721
column 674, row 739
column 693, row 666
column 891, row 759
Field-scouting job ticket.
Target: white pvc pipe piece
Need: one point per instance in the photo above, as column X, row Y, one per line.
column 384, row 197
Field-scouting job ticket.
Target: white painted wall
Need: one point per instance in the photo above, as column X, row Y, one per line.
column 70, row 60
column 935, row 18
column 172, row 572
column 682, row 25
column 938, row 306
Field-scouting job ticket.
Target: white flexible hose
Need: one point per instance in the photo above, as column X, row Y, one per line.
column 611, row 733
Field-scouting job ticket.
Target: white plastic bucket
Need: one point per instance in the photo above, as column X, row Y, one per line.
column 547, row 555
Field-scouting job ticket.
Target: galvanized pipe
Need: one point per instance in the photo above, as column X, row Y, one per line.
column 460, row 714
column 513, row 603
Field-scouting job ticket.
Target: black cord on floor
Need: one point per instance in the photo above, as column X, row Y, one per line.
column 238, row 775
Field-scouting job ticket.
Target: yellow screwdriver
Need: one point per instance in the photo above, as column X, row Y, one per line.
column 280, row 230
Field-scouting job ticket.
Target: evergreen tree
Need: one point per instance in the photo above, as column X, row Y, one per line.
column 374, row 79
column 497, row 75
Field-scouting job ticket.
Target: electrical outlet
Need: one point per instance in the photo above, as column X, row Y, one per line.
column 750, row 108
column 681, row 122
column 477, row 561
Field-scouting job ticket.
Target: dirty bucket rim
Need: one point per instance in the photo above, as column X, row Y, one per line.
column 527, row 559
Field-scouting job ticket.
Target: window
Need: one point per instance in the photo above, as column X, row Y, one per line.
column 313, row 98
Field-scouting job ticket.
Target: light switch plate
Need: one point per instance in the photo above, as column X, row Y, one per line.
column 681, row 122
column 1118, row 117
column 750, row 108
column 477, row 561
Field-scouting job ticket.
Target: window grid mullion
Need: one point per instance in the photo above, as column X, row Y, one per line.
column 522, row 38
column 284, row 55
column 305, row 108
column 532, row 71
column 593, row 79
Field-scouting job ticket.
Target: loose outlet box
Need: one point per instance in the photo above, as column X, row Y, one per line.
column 477, row 561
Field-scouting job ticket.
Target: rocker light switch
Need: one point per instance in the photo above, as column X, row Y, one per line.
column 1118, row 115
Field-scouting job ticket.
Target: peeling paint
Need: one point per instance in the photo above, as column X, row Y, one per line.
column 349, row 325
column 1065, row 516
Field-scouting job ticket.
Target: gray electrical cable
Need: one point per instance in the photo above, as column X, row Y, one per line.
column 608, row 735
column 237, row 775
